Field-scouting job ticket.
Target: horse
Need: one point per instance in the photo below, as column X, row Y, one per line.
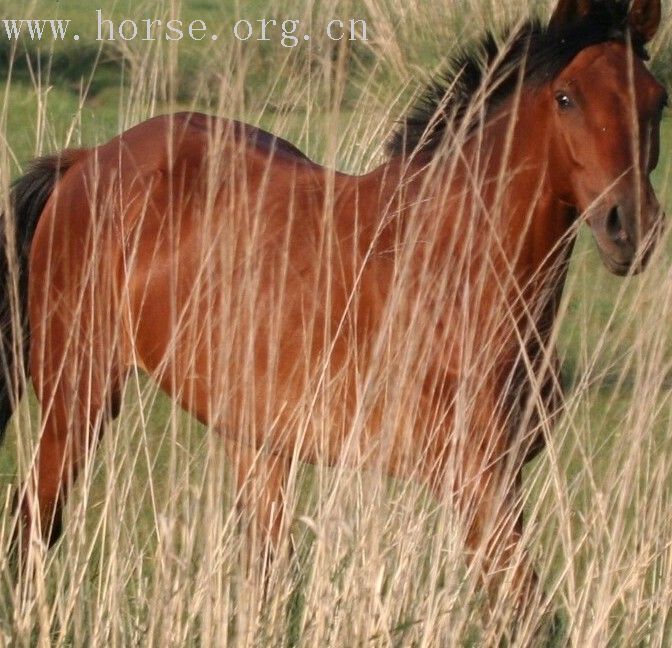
column 280, row 302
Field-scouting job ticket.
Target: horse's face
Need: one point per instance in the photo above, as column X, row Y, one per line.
column 607, row 137
column 606, row 111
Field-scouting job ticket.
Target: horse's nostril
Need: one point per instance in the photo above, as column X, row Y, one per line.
column 615, row 228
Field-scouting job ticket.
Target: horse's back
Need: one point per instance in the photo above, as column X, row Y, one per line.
column 169, row 161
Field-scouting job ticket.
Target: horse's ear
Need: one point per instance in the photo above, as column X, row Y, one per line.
column 569, row 12
column 644, row 18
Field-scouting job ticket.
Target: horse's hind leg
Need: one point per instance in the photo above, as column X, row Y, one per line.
column 12, row 365
column 79, row 390
column 70, row 434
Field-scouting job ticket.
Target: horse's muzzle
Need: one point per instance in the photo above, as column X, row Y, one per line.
column 625, row 242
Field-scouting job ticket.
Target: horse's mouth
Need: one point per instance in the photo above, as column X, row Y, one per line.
column 625, row 268
column 622, row 254
column 635, row 261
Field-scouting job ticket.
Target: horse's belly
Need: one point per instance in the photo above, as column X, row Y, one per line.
column 257, row 370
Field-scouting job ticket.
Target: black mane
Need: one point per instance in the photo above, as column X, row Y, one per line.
column 493, row 71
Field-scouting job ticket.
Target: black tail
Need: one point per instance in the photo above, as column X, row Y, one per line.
column 29, row 195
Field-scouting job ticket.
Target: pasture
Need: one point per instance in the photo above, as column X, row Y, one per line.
column 151, row 553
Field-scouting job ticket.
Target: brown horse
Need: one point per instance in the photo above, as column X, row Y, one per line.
column 401, row 318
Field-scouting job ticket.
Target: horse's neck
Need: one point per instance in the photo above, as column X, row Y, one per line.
column 544, row 227
column 539, row 228
column 522, row 230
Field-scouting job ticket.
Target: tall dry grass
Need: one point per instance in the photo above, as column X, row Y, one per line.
column 153, row 552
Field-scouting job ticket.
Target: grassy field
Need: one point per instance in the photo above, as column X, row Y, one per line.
column 151, row 554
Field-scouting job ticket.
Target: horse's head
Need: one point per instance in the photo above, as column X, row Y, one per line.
column 606, row 111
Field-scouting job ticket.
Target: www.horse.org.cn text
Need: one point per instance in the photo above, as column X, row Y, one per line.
column 287, row 32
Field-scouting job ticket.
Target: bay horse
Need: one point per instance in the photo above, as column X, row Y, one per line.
column 292, row 307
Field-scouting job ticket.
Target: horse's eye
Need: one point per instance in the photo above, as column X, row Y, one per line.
column 563, row 100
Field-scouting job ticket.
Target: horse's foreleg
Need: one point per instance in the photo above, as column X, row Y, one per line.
column 545, row 408
column 261, row 480
column 486, row 493
column 494, row 525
